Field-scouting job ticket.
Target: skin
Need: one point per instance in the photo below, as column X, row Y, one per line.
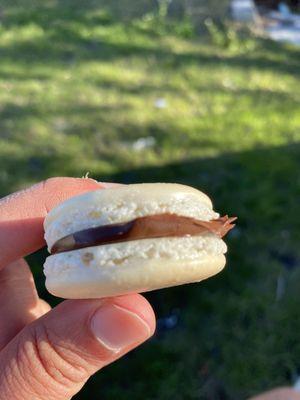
column 50, row 354
column 278, row 394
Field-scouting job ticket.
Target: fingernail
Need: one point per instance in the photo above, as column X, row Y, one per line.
column 117, row 328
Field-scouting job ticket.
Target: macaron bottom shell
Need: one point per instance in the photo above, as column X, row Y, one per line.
column 140, row 276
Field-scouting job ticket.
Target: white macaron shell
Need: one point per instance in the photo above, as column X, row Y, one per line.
column 136, row 278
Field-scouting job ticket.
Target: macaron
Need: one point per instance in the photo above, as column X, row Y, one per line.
column 133, row 238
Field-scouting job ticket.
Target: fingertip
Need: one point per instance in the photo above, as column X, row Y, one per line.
column 52, row 187
column 69, row 185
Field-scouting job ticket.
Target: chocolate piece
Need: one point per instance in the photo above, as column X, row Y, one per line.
column 151, row 226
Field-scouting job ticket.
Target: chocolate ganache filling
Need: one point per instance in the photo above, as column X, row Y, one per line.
column 150, row 226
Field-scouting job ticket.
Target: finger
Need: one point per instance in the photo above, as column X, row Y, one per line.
column 19, row 301
column 43, row 308
column 22, row 214
column 279, row 394
column 54, row 356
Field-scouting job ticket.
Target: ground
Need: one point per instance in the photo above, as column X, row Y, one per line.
column 142, row 100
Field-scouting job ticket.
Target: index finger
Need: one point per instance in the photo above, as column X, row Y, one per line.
column 22, row 214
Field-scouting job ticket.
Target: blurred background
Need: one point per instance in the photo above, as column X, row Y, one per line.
column 204, row 93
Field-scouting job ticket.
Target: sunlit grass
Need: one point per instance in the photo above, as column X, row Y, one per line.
column 93, row 78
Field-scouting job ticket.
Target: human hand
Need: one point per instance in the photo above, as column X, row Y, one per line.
column 50, row 354
column 284, row 393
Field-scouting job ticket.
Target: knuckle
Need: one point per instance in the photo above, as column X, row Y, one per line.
column 57, row 360
column 50, row 364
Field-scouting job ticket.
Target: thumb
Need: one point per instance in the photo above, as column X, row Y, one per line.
column 54, row 356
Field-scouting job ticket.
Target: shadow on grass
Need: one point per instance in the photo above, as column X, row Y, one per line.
column 224, row 322
column 254, row 180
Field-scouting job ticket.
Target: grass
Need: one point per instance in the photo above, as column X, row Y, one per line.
column 78, row 87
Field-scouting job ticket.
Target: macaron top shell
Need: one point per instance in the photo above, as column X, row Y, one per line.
column 124, row 203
